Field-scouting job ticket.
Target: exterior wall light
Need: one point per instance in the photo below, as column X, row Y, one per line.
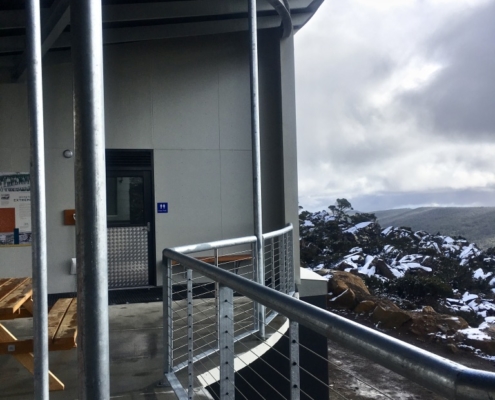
column 68, row 153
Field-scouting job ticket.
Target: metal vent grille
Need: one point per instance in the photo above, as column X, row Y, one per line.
column 129, row 158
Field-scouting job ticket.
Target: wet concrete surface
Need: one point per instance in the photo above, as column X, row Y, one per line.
column 136, row 351
column 136, row 358
column 356, row 378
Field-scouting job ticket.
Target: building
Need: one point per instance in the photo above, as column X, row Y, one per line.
column 195, row 111
column 177, row 127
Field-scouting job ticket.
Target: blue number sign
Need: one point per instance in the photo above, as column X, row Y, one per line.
column 162, row 208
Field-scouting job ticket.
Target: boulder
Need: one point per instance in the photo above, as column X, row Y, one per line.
column 383, row 268
column 323, row 271
column 486, row 346
column 346, row 299
column 427, row 323
column 341, row 281
column 389, row 315
column 365, row 306
column 343, row 266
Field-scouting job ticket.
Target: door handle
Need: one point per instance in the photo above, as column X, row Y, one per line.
column 147, row 228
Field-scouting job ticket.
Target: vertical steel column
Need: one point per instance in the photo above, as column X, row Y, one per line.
column 190, row 338
column 295, row 385
column 91, row 226
column 226, row 340
column 168, row 328
column 38, row 201
column 256, row 156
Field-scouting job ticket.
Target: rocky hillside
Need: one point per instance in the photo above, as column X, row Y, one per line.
column 405, row 271
column 475, row 223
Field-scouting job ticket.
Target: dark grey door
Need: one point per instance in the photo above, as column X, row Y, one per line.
column 131, row 261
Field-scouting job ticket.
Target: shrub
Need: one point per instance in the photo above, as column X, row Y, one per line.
column 414, row 287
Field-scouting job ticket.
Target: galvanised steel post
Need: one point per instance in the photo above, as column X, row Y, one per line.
column 190, row 335
column 91, row 225
column 38, row 201
column 167, row 318
column 226, row 340
column 256, row 157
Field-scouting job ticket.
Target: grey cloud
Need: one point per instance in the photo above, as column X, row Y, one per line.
column 479, row 197
column 459, row 102
column 349, row 144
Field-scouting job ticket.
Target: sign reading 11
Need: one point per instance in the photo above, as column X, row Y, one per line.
column 162, row 208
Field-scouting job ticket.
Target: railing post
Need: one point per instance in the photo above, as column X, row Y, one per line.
column 295, row 384
column 215, row 253
column 272, row 252
column 226, row 341
column 190, row 339
column 290, row 262
column 283, row 268
column 167, row 316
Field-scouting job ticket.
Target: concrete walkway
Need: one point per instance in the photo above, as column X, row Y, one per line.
column 136, row 358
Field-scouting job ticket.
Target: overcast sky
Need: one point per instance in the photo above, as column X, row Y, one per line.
column 396, row 104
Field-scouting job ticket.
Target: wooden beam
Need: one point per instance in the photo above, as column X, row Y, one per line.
column 27, row 360
column 14, row 300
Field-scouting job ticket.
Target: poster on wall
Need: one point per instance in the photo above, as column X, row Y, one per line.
column 15, row 209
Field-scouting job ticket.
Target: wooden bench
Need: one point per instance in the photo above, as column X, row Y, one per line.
column 62, row 325
column 62, row 333
column 221, row 259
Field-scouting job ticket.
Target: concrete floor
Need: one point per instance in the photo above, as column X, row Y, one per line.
column 136, row 351
column 136, row 358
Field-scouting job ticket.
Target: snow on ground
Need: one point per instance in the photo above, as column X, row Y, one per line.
column 358, row 227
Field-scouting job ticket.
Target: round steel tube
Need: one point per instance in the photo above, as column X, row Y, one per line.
column 283, row 9
column 91, row 225
column 445, row 377
column 256, row 155
column 38, row 200
column 193, row 248
column 273, row 234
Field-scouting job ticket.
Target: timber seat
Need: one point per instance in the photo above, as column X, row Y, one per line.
column 62, row 325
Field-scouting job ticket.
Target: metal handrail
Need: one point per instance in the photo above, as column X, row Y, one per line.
column 273, row 234
column 436, row 373
column 193, row 248
column 283, row 9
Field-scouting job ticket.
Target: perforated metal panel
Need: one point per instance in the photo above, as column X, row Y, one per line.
column 127, row 257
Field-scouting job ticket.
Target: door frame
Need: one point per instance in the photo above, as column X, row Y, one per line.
column 147, row 171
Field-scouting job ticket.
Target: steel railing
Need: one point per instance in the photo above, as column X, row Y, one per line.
column 438, row 374
column 191, row 302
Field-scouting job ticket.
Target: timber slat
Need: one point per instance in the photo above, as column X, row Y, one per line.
column 27, row 360
column 221, row 259
column 55, row 317
column 14, row 300
column 65, row 337
column 10, row 285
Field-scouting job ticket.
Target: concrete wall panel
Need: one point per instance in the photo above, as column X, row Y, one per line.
column 61, row 239
column 57, row 103
column 128, row 96
column 188, row 100
column 237, row 193
column 234, row 95
column 185, row 96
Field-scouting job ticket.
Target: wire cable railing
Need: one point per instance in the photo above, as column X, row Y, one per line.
column 213, row 346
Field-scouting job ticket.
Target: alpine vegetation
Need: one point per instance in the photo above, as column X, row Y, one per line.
column 433, row 286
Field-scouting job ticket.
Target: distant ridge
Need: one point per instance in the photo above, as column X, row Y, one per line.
column 477, row 224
